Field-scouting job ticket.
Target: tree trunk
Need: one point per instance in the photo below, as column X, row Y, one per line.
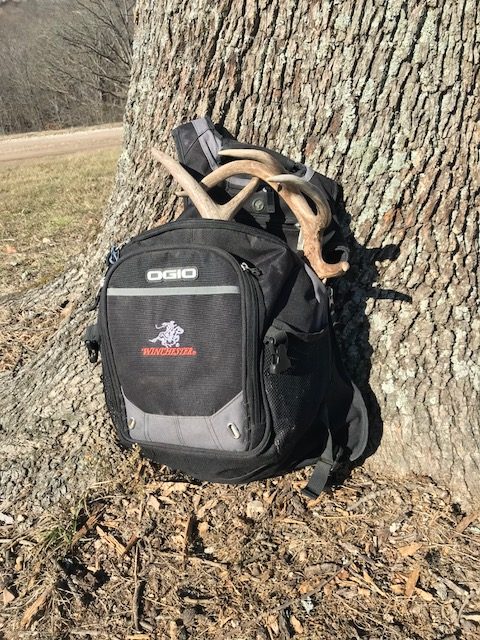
column 379, row 96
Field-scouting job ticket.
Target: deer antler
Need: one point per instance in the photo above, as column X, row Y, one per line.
column 270, row 162
column 202, row 201
column 261, row 164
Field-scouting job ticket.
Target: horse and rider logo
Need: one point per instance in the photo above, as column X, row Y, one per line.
column 169, row 337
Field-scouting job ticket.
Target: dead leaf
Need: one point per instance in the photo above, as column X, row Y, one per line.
column 466, row 522
column 272, row 624
column 9, row 249
column 410, row 549
column 203, row 528
column 343, row 574
column 8, row 596
column 305, row 587
column 311, row 504
column 173, row 487
column 6, row 519
column 474, row 617
column 154, row 503
column 412, row 581
column 254, row 508
column 111, row 541
column 269, row 498
column 397, row 589
column 209, row 504
column 67, row 310
column 35, row 607
column 425, row 595
column 296, row 624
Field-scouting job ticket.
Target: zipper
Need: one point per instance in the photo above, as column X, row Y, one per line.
column 111, row 258
column 203, row 224
column 250, row 292
column 252, row 351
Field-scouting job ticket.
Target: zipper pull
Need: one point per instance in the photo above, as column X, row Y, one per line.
column 253, row 270
column 113, row 255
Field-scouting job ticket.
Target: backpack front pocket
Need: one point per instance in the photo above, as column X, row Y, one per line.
column 181, row 335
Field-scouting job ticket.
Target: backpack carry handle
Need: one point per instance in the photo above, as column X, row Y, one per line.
column 262, row 166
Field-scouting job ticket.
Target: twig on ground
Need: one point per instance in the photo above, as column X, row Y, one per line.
column 132, row 542
column 136, row 593
column 36, row 607
column 366, row 498
column 89, row 524
column 187, row 533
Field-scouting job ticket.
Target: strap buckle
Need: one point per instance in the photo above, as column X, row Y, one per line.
column 92, row 343
column 322, row 471
column 279, row 341
column 92, row 349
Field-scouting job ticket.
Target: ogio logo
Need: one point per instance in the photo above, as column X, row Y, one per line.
column 169, row 337
column 182, row 273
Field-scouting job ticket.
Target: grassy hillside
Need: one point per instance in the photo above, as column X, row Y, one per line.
column 48, row 212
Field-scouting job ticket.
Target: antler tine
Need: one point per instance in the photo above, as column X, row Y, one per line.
column 229, row 209
column 202, row 201
column 312, row 225
column 254, row 154
column 315, row 225
column 321, row 204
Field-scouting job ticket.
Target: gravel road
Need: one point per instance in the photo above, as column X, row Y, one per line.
column 31, row 147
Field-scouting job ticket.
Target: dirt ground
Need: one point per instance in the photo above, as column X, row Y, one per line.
column 148, row 555
column 17, row 149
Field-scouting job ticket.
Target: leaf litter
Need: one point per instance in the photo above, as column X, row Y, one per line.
column 153, row 556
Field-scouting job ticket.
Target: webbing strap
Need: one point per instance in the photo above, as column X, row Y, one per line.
column 208, row 138
column 322, row 470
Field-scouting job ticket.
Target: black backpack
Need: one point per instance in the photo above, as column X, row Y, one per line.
column 218, row 352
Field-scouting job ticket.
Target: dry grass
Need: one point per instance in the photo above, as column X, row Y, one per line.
column 48, row 212
column 150, row 556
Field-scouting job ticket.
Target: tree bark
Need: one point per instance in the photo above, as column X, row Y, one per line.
column 382, row 97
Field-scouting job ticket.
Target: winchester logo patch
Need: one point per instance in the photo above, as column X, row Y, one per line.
column 169, row 337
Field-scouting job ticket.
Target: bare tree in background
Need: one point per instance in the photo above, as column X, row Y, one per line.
column 64, row 64
column 98, row 40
